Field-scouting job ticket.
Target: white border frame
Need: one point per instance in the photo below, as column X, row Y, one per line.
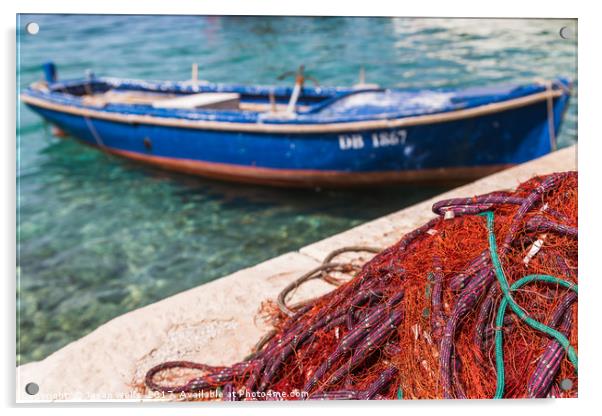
column 589, row 166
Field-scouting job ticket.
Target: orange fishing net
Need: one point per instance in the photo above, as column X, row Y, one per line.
column 420, row 319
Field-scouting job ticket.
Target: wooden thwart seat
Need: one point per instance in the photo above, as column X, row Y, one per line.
column 210, row 100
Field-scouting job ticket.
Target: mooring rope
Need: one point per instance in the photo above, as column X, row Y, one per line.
column 95, row 134
column 551, row 121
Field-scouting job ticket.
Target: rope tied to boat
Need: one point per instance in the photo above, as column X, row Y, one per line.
column 551, row 118
column 550, row 112
column 94, row 132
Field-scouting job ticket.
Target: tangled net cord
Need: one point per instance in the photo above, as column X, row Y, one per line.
column 368, row 311
column 508, row 300
column 321, row 272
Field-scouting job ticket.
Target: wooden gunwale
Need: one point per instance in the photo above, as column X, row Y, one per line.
column 342, row 127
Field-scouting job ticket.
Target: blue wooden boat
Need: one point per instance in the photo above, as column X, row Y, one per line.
column 307, row 135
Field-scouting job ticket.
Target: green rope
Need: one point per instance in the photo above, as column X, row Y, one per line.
column 508, row 300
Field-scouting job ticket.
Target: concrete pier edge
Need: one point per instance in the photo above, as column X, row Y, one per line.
column 218, row 323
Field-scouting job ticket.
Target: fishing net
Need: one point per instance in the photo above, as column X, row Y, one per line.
column 479, row 302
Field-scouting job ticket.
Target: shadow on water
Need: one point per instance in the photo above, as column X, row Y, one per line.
column 352, row 204
column 73, row 163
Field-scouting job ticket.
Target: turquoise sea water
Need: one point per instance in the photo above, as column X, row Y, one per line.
column 98, row 236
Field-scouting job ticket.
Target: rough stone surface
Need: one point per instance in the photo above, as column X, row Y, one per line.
column 218, row 323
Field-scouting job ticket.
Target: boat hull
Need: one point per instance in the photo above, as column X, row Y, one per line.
column 443, row 149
